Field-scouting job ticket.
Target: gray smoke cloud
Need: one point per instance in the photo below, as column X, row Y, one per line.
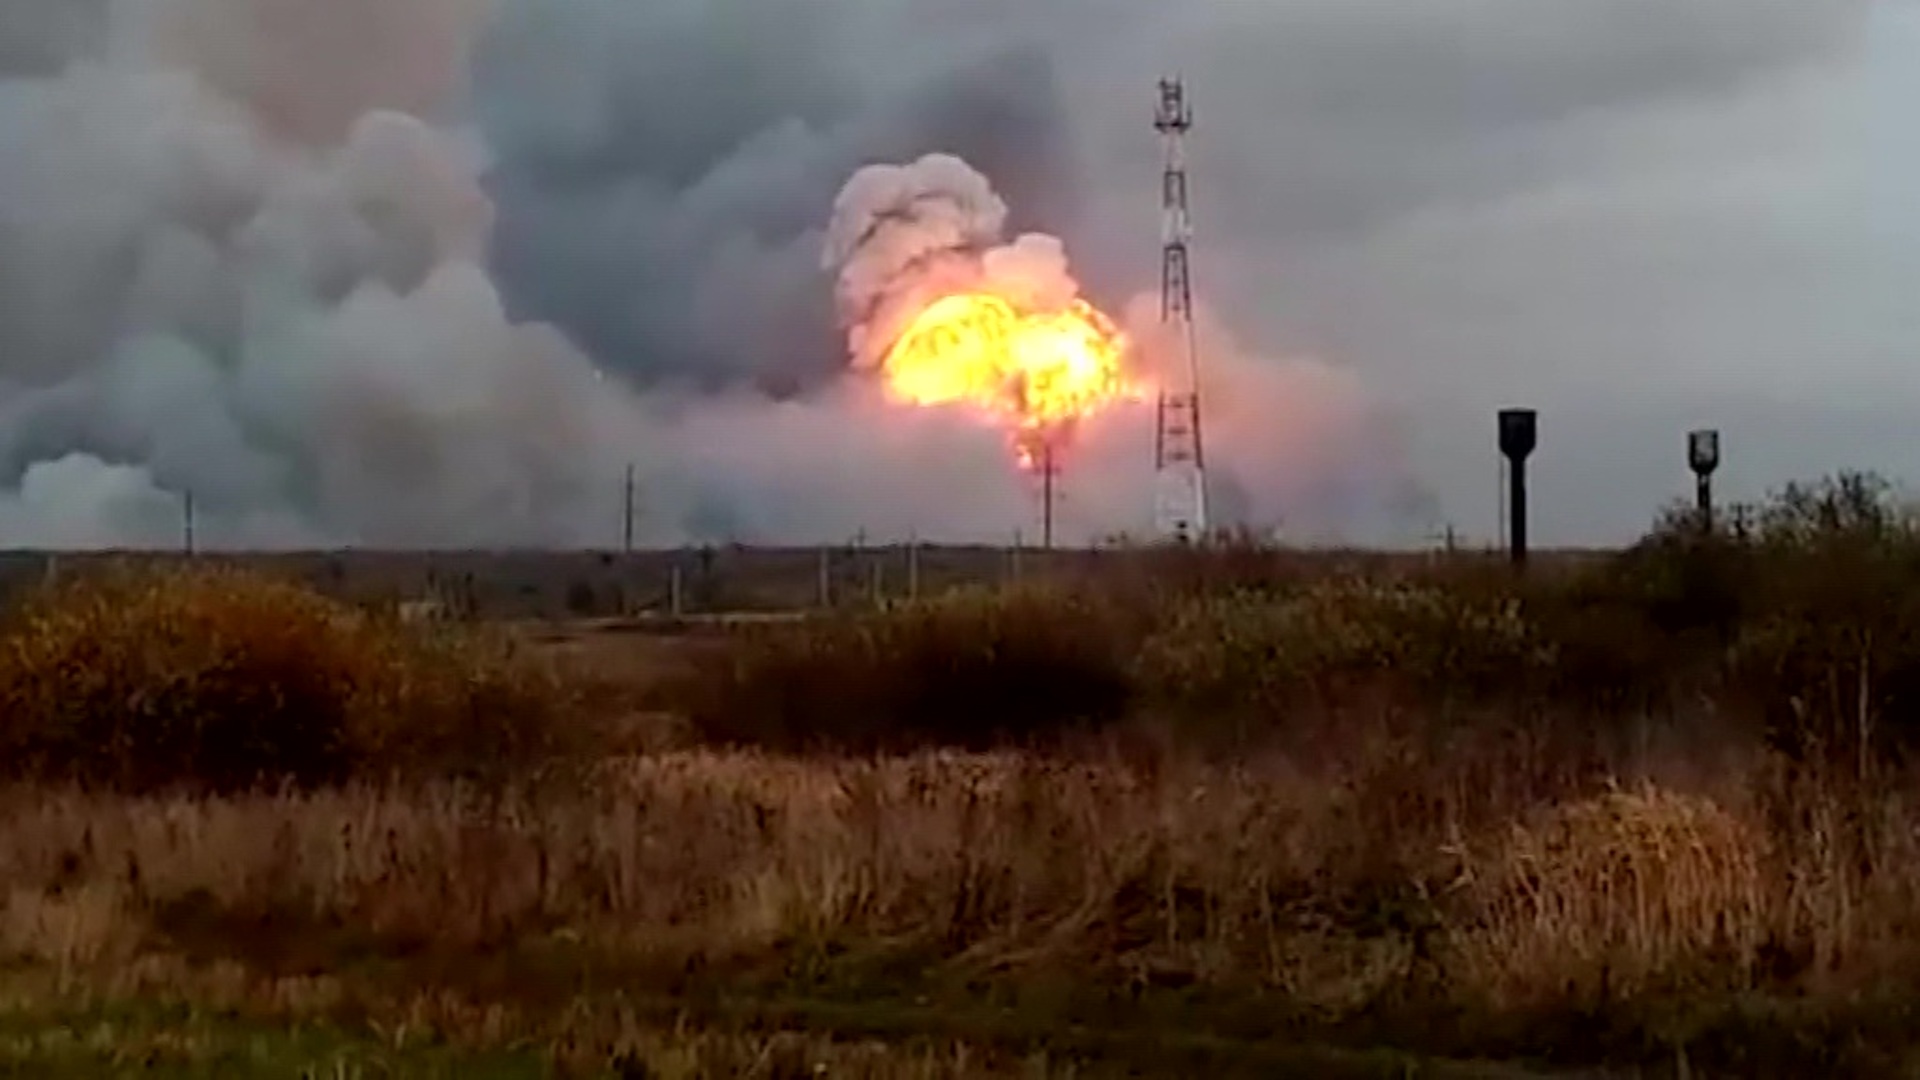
column 260, row 283
column 435, row 271
column 903, row 236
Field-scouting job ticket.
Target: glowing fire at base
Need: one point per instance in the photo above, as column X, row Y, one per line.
column 1038, row 373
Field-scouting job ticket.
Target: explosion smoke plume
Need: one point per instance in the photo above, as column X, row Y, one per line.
column 929, row 297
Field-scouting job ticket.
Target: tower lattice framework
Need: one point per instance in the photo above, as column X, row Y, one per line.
column 1180, row 497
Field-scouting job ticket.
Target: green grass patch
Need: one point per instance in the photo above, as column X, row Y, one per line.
column 180, row 1042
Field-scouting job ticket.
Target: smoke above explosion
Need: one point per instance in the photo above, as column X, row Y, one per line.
column 240, row 257
column 947, row 312
column 932, row 301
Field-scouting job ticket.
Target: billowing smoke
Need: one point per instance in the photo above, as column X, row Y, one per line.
column 253, row 281
column 902, row 236
column 1284, row 435
column 247, row 253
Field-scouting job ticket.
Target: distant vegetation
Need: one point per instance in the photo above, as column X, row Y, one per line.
column 1806, row 627
column 1239, row 811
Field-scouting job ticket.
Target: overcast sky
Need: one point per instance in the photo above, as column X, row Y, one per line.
column 1636, row 215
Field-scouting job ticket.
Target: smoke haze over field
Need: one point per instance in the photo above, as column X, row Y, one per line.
column 433, row 271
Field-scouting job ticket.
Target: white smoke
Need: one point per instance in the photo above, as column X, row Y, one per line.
column 903, row 236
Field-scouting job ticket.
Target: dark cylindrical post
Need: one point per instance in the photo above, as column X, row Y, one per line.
column 1046, row 496
column 1519, row 434
column 1703, row 457
column 626, row 532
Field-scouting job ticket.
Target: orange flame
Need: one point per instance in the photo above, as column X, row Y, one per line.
column 1038, row 373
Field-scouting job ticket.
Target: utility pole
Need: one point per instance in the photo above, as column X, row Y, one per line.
column 826, row 577
column 626, row 536
column 1049, row 470
column 1178, row 450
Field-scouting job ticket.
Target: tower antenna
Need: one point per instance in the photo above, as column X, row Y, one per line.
column 1179, row 457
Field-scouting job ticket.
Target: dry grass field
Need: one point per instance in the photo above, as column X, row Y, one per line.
column 1229, row 813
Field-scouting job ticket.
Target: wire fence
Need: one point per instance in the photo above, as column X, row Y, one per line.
column 679, row 583
column 698, row 582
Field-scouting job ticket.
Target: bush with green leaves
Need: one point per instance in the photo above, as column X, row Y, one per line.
column 1811, row 601
column 1253, row 651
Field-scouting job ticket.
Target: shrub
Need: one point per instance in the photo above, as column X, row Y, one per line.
column 969, row 669
column 220, row 680
column 1249, row 651
column 1808, row 617
column 1828, row 648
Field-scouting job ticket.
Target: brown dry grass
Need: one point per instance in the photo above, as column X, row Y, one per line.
column 1350, row 899
column 1630, row 887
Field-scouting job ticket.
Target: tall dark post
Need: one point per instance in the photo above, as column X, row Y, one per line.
column 626, row 534
column 1519, row 434
column 1047, row 472
column 186, row 522
column 1703, row 457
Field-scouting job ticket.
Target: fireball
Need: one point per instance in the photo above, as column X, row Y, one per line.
column 1036, row 373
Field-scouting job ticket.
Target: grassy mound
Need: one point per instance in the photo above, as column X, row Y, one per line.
column 1606, row 898
column 219, row 680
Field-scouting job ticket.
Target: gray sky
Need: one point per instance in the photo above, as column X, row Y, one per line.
column 1637, row 215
